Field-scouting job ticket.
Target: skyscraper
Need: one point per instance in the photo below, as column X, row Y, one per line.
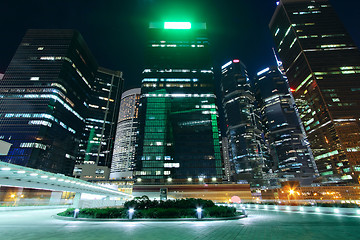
column 126, row 135
column 322, row 65
column 179, row 135
column 100, row 124
column 291, row 157
column 45, row 100
column 248, row 154
column 226, row 158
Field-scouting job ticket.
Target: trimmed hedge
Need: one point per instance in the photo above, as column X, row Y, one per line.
column 97, row 213
column 340, row 205
column 145, row 208
column 144, row 203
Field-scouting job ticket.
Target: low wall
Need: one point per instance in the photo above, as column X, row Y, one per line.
column 304, row 209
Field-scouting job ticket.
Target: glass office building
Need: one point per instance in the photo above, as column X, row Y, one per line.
column 322, row 65
column 179, row 134
column 291, row 156
column 100, row 124
column 127, row 130
column 247, row 149
column 45, row 99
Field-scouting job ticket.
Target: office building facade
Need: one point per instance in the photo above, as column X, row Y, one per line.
column 127, row 129
column 292, row 158
column 248, row 151
column 179, row 135
column 322, row 65
column 100, row 124
column 45, row 97
column 226, row 158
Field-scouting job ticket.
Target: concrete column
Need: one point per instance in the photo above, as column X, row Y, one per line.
column 76, row 200
column 55, row 198
column 106, row 202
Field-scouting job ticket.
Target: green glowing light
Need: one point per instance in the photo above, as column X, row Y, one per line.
column 177, row 25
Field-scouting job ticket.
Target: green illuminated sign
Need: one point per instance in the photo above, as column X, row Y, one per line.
column 177, row 25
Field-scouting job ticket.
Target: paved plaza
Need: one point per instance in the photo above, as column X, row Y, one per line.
column 38, row 224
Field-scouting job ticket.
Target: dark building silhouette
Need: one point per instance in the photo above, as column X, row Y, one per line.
column 322, row 65
column 100, row 125
column 46, row 98
column 247, row 149
column 292, row 158
column 179, row 135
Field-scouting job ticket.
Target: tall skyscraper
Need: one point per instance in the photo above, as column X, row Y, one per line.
column 100, row 124
column 248, row 152
column 127, row 129
column 45, row 100
column 179, row 135
column 322, row 65
column 226, row 158
column 292, row 159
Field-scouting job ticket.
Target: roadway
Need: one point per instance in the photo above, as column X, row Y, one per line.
column 261, row 224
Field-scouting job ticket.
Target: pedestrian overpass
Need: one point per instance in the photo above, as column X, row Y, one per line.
column 12, row 175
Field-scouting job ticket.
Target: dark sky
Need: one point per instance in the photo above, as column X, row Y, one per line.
column 114, row 29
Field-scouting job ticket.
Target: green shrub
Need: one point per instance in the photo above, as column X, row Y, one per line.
column 340, row 205
column 107, row 213
column 67, row 213
column 220, row 211
column 97, row 213
column 145, row 208
column 144, row 203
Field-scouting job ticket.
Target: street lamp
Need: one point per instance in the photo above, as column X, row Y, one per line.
column 291, row 192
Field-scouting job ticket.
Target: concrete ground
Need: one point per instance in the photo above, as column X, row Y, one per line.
column 261, row 224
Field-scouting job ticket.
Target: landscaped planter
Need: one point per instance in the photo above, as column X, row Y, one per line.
column 143, row 208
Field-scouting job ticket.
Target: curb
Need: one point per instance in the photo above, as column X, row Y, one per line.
column 26, row 208
column 147, row 219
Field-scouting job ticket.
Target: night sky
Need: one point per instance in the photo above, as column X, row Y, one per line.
column 114, row 30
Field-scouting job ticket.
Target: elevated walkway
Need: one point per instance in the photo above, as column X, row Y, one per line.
column 23, row 177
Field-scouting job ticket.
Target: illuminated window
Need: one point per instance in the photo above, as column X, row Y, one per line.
column 277, row 32
column 33, row 145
